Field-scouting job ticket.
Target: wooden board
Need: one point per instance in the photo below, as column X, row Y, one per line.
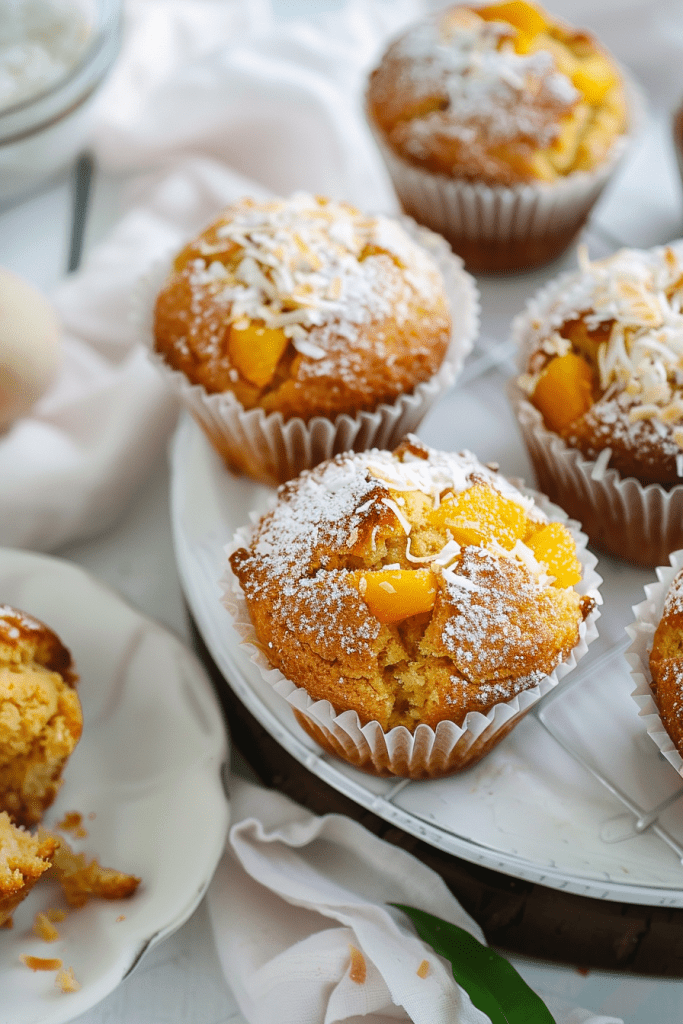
column 518, row 916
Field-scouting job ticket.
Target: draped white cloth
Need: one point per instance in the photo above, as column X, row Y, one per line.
column 296, row 894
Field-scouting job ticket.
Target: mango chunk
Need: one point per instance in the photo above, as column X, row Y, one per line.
column 554, row 546
column 481, row 514
column 564, row 391
column 255, row 351
column 524, row 16
column 395, row 594
column 594, row 77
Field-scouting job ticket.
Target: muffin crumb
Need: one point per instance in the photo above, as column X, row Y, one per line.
column 66, row 980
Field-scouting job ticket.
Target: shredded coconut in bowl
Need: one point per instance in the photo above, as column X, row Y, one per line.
column 41, row 41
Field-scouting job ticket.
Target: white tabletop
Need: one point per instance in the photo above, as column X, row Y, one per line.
column 181, row 980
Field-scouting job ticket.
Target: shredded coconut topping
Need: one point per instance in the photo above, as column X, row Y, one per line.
column 640, row 293
column 636, row 298
column 306, row 262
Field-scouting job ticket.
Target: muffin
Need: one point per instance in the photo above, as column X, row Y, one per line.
column 419, row 591
column 500, row 126
column 600, row 400
column 297, row 328
column 23, row 859
column 40, row 715
column 656, row 659
column 666, row 663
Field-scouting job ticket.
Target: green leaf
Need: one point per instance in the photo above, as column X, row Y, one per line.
column 491, row 982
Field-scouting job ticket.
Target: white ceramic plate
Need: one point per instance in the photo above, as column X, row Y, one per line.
column 542, row 805
column 146, row 777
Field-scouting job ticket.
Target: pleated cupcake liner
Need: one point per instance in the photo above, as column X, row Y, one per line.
column 425, row 753
column 271, row 449
column 641, row 631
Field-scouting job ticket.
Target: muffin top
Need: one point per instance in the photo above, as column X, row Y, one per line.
column 604, row 362
column 412, row 586
column 500, row 94
column 666, row 663
column 26, row 641
column 304, row 306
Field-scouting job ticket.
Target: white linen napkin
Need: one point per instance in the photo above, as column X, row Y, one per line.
column 296, row 894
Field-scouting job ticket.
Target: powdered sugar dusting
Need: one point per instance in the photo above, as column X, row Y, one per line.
column 309, row 263
column 13, row 622
column 490, row 632
column 488, row 87
column 673, row 603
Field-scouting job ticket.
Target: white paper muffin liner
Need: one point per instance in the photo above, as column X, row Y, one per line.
column 498, row 228
column 641, row 523
column 271, row 449
column 648, row 613
column 426, row 753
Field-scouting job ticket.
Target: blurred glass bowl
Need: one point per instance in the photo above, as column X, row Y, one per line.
column 43, row 133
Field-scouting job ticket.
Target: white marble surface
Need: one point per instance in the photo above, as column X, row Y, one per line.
column 180, row 981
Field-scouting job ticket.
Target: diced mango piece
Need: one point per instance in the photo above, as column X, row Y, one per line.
column 564, row 391
column 522, row 15
column 467, row 535
column 594, row 77
column 396, row 594
column 554, row 546
column 481, row 514
column 255, row 351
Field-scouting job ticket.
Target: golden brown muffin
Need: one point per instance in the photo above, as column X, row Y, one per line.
column 23, row 859
column 500, row 127
column 500, row 94
column 303, row 307
column 666, row 663
column 40, row 714
column 604, row 363
column 411, row 587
